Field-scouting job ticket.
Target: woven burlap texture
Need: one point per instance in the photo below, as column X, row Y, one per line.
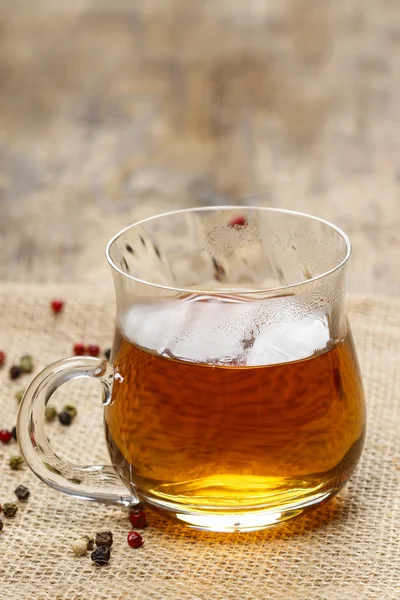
column 347, row 549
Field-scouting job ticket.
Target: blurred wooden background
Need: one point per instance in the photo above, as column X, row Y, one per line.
column 115, row 110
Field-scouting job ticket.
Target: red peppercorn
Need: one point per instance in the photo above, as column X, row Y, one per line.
column 57, row 305
column 2, row 358
column 134, row 539
column 5, row 436
column 93, row 350
column 79, row 349
column 238, row 222
column 138, row 519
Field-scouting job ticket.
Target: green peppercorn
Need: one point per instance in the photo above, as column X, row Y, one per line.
column 89, row 541
column 1, row 525
column 26, row 364
column 16, row 462
column 22, row 493
column 19, row 395
column 71, row 410
column 79, row 547
column 50, row 413
column 10, row 509
column 104, row 538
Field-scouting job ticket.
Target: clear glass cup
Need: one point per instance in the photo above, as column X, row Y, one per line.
column 232, row 399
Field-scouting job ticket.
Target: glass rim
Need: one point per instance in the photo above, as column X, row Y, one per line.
column 239, row 208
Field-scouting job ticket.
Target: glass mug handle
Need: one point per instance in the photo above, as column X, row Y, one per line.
column 98, row 482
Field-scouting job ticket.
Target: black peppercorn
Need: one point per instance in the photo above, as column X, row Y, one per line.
column 65, row 418
column 101, row 556
column 22, row 492
column 104, row 538
column 15, row 372
column 107, row 353
column 1, row 525
column 14, row 433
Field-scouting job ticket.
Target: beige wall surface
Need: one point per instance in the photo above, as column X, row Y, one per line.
column 113, row 111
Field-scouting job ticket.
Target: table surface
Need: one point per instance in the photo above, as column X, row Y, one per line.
column 113, row 111
column 349, row 548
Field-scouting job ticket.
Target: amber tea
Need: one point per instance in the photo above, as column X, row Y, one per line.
column 209, row 417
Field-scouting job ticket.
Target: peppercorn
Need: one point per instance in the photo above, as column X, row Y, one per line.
column 79, row 547
column 134, row 539
column 89, row 540
column 79, row 349
column 10, row 509
column 5, row 436
column 138, row 519
column 15, row 372
column 19, row 395
column 2, row 358
column 101, row 556
column 22, row 493
column 57, row 305
column 14, row 432
column 16, row 462
column 71, row 410
column 1, row 525
column 107, row 353
column 238, row 222
column 104, row 538
column 65, row 418
column 50, row 413
column 26, row 364
column 93, row 350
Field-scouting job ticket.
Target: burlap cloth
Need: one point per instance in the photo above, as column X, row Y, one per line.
column 347, row 549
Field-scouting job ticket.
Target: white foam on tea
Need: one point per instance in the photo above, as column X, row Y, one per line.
column 226, row 331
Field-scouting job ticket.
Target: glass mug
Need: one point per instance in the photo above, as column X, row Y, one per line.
column 233, row 399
